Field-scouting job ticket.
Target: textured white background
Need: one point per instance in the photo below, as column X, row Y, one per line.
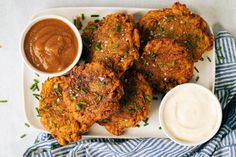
column 14, row 14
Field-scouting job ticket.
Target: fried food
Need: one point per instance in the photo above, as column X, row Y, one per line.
column 93, row 93
column 54, row 115
column 188, row 29
column 165, row 64
column 135, row 104
column 113, row 41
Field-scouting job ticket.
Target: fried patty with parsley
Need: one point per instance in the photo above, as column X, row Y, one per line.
column 135, row 104
column 54, row 114
column 93, row 93
column 178, row 23
column 165, row 64
column 113, row 41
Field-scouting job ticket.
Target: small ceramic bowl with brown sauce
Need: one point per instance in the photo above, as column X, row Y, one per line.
column 51, row 45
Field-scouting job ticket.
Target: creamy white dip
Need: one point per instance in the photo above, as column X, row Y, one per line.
column 190, row 114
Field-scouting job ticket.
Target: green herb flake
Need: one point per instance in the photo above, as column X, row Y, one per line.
column 145, row 62
column 126, row 54
column 152, row 55
column 102, row 83
column 148, row 75
column 97, row 46
column 169, row 18
column 36, row 74
column 117, row 29
column 114, row 46
column 221, row 57
column 37, row 111
column 98, row 95
column 138, row 107
column 54, row 103
column 159, row 128
column 45, row 108
column 58, row 93
column 137, row 125
column 37, row 96
column 94, row 15
column 197, row 78
column 146, row 121
column 3, row 101
column 131, row 110
column 61, row 110
column 92, row 27
column 96, row 20
column 132, row 94
column 82, row 103
column 218, row 48
column 209, row 59
column 34, row 86
column 75, row 22
column 84, row 91
column 106, row 120
column 148, row 98
column 77, row 88
column 54, row 146
column 78, row 107
column 161, row 30
column 196, row 69
column 22, row 136
column 201, row 59
column 27, row 125
column 72, row 94
column 83, row 17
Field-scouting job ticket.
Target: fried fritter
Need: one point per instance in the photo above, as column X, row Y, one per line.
column 135, row 104
column 113, row 41
column 54, row 115
column 188, row 29
column 93, row 93
column 165, row 64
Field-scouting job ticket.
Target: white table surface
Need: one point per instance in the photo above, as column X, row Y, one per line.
column 14, row 14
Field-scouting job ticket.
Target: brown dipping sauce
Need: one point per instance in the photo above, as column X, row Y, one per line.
column 51, row 45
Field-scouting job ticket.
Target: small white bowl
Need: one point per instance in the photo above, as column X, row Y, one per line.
column 195, row 87
column 73, row 28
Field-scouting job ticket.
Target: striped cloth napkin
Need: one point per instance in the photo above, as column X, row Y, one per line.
column 222, row 144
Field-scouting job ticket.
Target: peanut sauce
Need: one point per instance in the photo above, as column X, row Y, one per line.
column 51, row 45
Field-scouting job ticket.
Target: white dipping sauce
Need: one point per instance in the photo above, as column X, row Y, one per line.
column 190, row 114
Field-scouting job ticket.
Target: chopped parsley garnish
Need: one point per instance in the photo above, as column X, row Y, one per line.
column 92, row 27
column 27, row 125
column 132, row 94
column 54, row 146
column 117, row 29
column 35, row 85
column 114, row 46
column 97, row 46
column 37, row 96
column 83, row 17
column 148, row 98
column 197, row 78
column 54, row 125
column 98, row 95
column 131, row 110
column 58, row 93
column 36, row 74
column 169, row 18
column 201, row 59
column 173, row 63
column 196, row 69
column 218, row 48
column 84, row 91
column 221, row 57
column 137, row 125
column 37, row 111
column 96, row 20
column 61, row 110
column 145, row 62
column 126, row 54
column 54, row 103
column 78, row 107
column 45, row 108
column 159, row 127
column 152, row 55
column 138, row 107
column 145, row 121
column 82, row 103
column 72, row 94
column 22, row 136
column 94, row 15
column 189, row 45
column 75, row 22
column 161, row 30
column 148, row 75
column 77, row 88
column 209, row 59
column 102, row 83
column 3, row 101
column 106, row 120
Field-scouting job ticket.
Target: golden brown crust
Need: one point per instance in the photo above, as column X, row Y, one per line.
column 180, row 24
column 54, row 115
column 165, row 64
column 113, row 41
column 93, row 92
column 135, row 104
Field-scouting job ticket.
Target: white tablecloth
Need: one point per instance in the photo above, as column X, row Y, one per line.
column 14, row 14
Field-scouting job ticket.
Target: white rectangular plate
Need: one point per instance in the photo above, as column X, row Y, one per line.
column 206, row 76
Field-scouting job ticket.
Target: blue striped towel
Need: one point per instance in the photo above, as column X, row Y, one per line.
column 222, row 144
